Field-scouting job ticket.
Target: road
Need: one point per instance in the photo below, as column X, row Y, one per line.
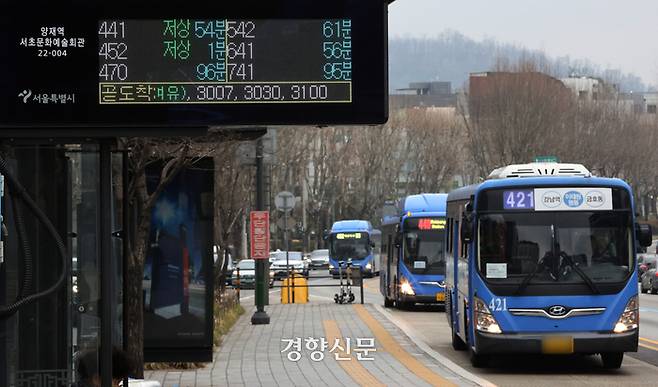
column 429, row 324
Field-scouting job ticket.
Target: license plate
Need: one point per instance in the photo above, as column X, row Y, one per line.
column 557, row 345
column 440, row 296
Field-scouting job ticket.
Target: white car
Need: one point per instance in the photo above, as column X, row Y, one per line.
column 279, row 268
column 320, row 259
column 247, row 274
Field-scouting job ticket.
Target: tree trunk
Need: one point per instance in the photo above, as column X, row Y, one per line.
column 136, row 257
column 135, row 320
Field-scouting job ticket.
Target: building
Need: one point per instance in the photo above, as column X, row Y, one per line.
column 650, row 101
column 487, row 91
column 424, row 95
column 591, row 88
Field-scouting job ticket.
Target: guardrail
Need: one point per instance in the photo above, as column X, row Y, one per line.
column 237, row 286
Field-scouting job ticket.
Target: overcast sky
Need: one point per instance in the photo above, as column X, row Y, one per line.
column 610, row 33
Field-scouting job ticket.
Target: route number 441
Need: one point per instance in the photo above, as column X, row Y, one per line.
column 498, row 304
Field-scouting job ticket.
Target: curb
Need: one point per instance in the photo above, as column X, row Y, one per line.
column 407, row 330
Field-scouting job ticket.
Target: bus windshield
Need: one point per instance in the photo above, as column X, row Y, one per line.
column 423, row 245
column 346, row 245
column 555, row 247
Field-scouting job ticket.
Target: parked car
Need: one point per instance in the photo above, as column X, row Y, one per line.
column 650, row 280
column 644, row 262
column 320, row 259
column 247, row 274
column 230, row 267
column 279, row 269
column 653, row 248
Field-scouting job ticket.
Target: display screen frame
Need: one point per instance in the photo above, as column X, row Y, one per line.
column 77, row 73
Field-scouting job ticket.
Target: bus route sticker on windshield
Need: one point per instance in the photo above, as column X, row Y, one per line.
column 573, row 199
column 496, row 270
column 419, row 264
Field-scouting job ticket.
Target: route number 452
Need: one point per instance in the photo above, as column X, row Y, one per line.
column 498, row 304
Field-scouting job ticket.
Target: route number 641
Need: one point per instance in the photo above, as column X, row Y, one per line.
column 498, row 304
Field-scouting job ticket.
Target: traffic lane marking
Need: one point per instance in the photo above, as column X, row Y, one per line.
column 253, row 295
column 353, row 368
column 649, row 340
column 648, row 347
column 391, row 346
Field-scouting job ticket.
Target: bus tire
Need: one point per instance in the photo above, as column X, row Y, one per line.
column 477, row 360
column 457, row 343
column 612, row 360
column 388, row 303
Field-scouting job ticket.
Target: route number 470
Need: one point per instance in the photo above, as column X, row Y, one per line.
column 498, row 304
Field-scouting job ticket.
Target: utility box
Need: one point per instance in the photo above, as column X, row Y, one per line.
column 297, row 294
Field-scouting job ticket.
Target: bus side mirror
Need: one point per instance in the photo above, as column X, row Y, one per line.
column 643, row 234
column 398, row 240
column 466, row 229
column 325, row 235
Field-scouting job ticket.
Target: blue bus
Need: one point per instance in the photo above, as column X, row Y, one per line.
column 541, row 259
column 352, row 239
column 412, row 268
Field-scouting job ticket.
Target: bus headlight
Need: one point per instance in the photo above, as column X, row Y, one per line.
column 484, row 320
column 630, row 317
column 331, row 266
column 368, row 266
column 405, row 287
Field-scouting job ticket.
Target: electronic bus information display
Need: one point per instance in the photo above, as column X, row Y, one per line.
column 193, row 64
column 189, row 61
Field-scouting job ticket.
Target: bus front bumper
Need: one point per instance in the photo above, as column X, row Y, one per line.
column 583, row 342
column 424, row 299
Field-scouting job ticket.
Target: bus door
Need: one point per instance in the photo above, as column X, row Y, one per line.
column 389, row 258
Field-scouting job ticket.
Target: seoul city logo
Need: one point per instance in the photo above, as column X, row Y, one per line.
column 573, row 199
column 25, row 95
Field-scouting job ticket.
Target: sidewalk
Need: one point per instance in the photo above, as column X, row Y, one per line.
column 256, row 355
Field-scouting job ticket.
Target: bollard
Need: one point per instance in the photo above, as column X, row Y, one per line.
column 237, row 282
column 361, row 288
column 294, row 276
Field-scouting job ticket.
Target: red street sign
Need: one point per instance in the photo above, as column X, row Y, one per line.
column 260, row 234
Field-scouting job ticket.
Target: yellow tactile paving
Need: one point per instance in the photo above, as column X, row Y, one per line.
column 395, row 349
column 353, row 368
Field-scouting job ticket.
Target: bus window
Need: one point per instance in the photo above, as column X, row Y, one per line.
column 513, row 245
column 423, row 245
column 353, row 245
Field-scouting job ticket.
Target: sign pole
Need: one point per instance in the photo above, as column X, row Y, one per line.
column 260, row 316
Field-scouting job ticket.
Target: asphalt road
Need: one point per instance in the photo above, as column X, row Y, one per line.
column 430, row 325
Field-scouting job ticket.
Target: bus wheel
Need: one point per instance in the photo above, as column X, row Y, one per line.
column 612, row 360
column 457, row 343
column 477, row 360
column 388, row 303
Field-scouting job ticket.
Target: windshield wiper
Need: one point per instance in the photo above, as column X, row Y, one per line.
column 580, row 272
column 529, row 277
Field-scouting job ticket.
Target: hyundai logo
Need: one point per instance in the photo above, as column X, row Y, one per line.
column 557, row 310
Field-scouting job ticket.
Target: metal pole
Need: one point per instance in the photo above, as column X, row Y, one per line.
column 285, row 244
column 361, row 288
column 126, row 222
column 237, row 275
column 107, row 293
column 260, row 316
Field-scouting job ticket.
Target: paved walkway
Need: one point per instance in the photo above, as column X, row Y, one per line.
column 317, row 333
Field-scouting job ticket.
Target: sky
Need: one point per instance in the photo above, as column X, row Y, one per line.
column 615, row 34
